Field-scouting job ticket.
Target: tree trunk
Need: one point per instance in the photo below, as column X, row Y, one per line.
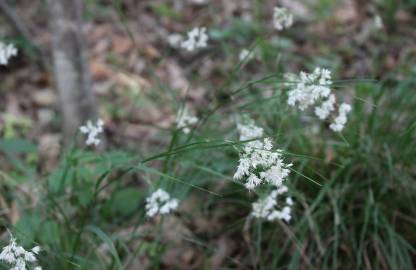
column 70, row 61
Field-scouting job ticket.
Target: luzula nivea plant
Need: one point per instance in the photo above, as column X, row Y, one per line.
column 259, row 164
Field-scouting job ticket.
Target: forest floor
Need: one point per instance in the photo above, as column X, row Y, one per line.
column 137, row 73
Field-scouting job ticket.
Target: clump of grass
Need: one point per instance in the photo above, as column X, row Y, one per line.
column 353, row 192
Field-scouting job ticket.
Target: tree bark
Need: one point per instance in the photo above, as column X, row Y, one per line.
column 70, row 61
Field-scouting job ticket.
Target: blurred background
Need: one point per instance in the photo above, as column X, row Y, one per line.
column 123, row 64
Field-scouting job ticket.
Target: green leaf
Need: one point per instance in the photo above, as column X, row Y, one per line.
column 104, row 237
column 16, row 146
column 165, row 11
column 27, row 228
column 49, row 233
column 125, row 201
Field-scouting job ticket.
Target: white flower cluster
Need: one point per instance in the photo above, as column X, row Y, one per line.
column 326, row 107
column 92, row 132
column 266, row 208
column 341, row 119
column 160, row 202
column 282, row 18
column 312, row 88
column 197, row 38
column 249, row 130
column 258, row 162
column 309, row 87
column 6, row 52
column 18, row 257
column 184, row 119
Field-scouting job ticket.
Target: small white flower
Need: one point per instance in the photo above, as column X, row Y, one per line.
column 184, row 120
column 258, row 162
column 378, row 22
column 17, row 256
column 340, row 121
column 160, row 202
column 36, row 250
column 282, row 18
column 326, row 107
column 6, row 52
column 92, row 132
column 175, row 40
column 29, row 256
column 267, row 207
column 309, row 87
column 196, row 38
column 20, row 264
column 249, row 130
column 252, row 181
column 7, row 254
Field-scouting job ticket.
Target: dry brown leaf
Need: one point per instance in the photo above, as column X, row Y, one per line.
column 14, row 213
column 100, row 71
column 222, row 251
column 345, row 12
column 44, row 98
column 122, row 45
column 151, row 51
column 49, row 149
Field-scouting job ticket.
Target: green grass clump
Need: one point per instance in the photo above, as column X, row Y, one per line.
column 354, row 192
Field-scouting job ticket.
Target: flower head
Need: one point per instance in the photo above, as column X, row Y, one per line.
column 17, row 256
column 160, row 202
column 282, row 18
column 314, row 89
column 258, row 162
column 326, row 108
column 340, row 121
column 309, row 87
column 268, row 208
column 197, row 38
column 6, row 52
column 184, row 120
column 92, row 132
column 248, row 130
